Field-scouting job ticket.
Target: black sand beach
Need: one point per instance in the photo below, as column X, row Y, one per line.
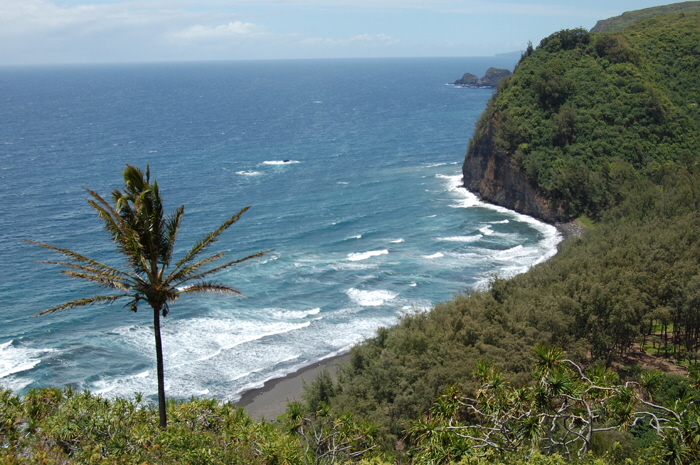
column 270, row 401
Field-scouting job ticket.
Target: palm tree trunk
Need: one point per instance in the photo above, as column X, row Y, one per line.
column 159, row 369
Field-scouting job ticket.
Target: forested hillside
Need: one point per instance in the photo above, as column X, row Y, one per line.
column 605, row 125
column 584, row 112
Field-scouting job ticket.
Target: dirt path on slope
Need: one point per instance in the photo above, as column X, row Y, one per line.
column 649, row 361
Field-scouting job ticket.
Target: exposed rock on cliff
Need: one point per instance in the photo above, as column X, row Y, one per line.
column 491, row 79
column 494, row 177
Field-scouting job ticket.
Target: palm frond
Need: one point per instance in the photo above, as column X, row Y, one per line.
column 184, row 274
column 83, row 302
column 123, row 234
column 209, row 239
column 113, row 221
column 99, row 279
column 171, row 229
column 134, row 179
column 150, row 223
column 138, row 209
column 203, row 274
column 210, row 287
column 89, row 269
column 122, row 205
column 124, row 237
column 80, row 258
column 100, row 275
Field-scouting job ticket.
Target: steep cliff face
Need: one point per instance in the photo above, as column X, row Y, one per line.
column 584, row 116
column 495, row 178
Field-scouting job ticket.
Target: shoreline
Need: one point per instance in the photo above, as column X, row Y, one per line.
column 568, row 230
column 270, row 401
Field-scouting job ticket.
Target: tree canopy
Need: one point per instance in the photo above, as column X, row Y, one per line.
column 584, row 112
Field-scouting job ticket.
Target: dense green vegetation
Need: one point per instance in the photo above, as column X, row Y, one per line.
column 584, row 112
column 627, row 19
column 52, row 426
column 566, row 410
column 603, row 125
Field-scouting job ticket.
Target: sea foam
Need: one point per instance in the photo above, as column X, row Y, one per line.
column 280, row 162
column 18, row 359
column 356, row 257
column 295, row 315
column 461, row 238
column 370, row 298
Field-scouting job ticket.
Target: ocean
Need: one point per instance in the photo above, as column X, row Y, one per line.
column 352, row 172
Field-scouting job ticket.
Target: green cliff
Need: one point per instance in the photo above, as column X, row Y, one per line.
column 583, row 112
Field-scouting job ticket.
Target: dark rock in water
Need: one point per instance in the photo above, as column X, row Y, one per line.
column 491, row 79
column 467, row 80
column 493, row 76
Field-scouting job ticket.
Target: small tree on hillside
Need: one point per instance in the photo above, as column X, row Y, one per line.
column 146, row 238
column 558, row 413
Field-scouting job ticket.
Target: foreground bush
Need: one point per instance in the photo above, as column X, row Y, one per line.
column 54, row 426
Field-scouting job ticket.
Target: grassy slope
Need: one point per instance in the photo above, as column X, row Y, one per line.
column 625, row 20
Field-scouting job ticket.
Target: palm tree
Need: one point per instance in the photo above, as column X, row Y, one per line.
column 146, row 238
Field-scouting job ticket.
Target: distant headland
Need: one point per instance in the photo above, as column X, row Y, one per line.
column 491, row 79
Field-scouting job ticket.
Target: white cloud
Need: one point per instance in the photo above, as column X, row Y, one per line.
column 30, row 17
column 227, row 35
column 375, row 38
column 35, row 31
column 513, row 7
column 235, row 29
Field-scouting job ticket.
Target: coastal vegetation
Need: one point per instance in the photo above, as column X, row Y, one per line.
column 145, row 237
column 628, row 284
column 602, row 125
column 584, row 112
column 589, row 358
column 54, row 426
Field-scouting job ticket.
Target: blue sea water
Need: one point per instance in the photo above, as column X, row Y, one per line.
column 352, row 169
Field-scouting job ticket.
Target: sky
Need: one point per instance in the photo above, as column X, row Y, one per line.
column 112, row 31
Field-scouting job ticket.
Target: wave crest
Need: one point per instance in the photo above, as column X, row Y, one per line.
column 356, row 257
column 370, row 298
